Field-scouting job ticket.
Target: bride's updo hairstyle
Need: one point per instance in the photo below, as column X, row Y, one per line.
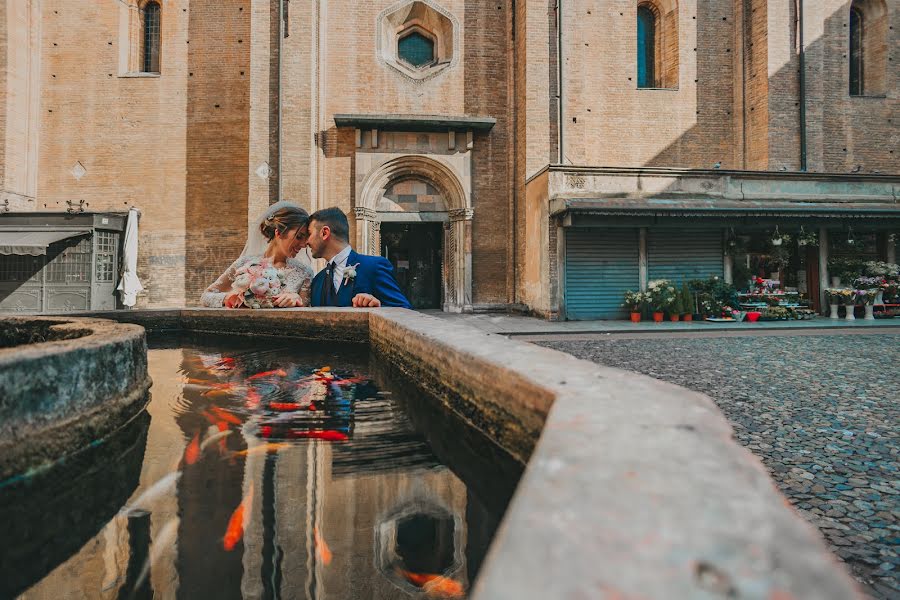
column 283, row 220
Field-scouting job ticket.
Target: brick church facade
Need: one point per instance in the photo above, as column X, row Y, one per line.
column 506, row 154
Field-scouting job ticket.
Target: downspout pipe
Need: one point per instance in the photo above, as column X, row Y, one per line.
column 803, row 151
column 278, row 87
column 560, row 93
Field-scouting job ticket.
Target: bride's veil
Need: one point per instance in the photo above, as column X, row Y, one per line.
column 257, row 242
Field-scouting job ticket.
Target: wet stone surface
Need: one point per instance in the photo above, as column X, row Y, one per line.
column 820, row 411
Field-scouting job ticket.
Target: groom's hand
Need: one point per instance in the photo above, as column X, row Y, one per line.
column 366, row 300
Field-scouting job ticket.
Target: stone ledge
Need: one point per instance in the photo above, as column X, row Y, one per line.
column 633, row 487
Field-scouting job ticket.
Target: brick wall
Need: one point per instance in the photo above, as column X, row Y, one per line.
column 129, row 133
column 609, row 121
column 218, row 127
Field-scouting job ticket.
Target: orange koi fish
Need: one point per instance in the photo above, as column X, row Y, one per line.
column 434, row 585
column 322, row 549
column 324, row 369
column 273, row 373
column 327, row 435
column 262, row 449
column 285, row 406
column 226, row 416
column 235, row 530
column 253, row 399
column 192, row 452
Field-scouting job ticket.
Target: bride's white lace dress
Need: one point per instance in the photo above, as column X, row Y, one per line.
column 297, row 277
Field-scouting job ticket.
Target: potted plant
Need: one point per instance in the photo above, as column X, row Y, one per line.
column 867, row 298
column 677, row 307
column 833, row 297
column 660, row 297
column 635, row 302
column 687, row 303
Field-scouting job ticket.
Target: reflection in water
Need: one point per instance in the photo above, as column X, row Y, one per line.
column 49, row 516
column 273, row 473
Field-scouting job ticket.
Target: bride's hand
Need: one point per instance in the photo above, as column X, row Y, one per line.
column 234, row 300
column 287, row 300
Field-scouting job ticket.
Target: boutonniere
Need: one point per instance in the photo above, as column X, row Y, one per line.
column 350, row 273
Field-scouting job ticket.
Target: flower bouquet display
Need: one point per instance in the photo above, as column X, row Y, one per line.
column 635, row 303
column 259, row 282
column 661, row 297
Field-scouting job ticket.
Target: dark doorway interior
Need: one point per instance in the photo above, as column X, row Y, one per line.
column 415, row 251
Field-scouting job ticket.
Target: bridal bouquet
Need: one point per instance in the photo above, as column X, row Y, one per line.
column 259, row 282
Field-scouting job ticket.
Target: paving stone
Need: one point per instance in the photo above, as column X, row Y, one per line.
column 825, row 429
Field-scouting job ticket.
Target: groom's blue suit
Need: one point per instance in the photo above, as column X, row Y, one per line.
column 374, row 275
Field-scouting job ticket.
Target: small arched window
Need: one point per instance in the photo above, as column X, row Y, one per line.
column 646, row 47
column 150, row 38
column 857, row 52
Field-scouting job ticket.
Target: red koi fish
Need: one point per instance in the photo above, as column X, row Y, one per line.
column 273, row 373
column 225, row 364
column 265, row 431
column 226, row 416
column 327, row 435
column 219, row 423
column 192, row 452
column 235, row 530
column 322, row 549
column 284, row 406
column 435, row 586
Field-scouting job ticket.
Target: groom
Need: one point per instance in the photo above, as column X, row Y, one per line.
column 350, row 279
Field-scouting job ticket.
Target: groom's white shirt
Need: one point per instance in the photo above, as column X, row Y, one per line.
column 340, row 263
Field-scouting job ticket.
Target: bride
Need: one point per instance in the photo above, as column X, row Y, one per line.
column 270, row 254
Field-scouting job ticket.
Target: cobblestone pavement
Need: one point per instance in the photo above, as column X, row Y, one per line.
column 823, row 414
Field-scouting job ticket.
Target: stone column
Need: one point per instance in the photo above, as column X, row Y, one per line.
column 643, row 264
column 367, row 231
column 459, row 299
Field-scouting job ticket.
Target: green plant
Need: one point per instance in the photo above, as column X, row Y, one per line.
column 678, row 303
column 635, row 301
column 661, row 295
column 687, row 299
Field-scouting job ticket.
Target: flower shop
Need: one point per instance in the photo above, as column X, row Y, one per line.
column 773, row 274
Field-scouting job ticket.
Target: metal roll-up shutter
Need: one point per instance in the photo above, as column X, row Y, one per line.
column 684, row 254
column 601, row 264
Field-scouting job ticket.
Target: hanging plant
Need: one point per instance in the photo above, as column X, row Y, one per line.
column 807, row 238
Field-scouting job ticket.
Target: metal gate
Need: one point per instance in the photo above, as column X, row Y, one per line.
column 600, row 265
column 683, row 254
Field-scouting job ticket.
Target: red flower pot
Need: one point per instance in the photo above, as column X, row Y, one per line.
column 687, row 317
column 753, row 316
column 673, row 317
column 635, row 317
column 658, row 317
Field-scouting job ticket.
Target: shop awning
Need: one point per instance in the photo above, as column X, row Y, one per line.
column 665, row 207
column 34, row 243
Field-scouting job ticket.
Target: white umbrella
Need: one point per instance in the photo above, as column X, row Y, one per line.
column 130, row 285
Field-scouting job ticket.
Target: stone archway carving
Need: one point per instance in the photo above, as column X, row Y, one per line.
column 457, row 262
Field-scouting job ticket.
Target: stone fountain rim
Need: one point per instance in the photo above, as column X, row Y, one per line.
column 635, row 487
column 99, row 332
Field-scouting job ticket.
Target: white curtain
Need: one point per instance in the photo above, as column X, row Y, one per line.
column 130, row 285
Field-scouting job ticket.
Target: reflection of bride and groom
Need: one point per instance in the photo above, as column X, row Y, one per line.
column 274, row 271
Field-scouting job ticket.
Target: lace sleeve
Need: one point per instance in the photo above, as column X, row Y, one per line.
column 298, row 278
column 214, row 296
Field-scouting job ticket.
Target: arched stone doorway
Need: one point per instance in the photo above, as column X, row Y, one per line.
column 416, row 196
